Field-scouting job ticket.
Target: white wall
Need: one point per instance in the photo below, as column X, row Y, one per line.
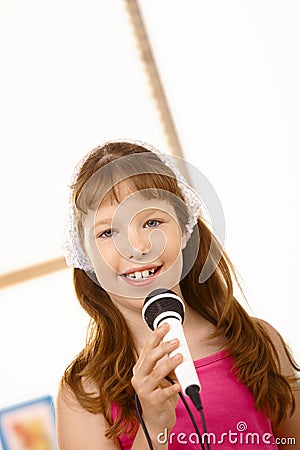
column 70, row 79
column 42, row 329
column 231, row 71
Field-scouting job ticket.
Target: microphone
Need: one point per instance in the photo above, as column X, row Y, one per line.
column 161, row 306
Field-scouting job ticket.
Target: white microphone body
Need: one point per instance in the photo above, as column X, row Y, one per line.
column 185, row 372
column 164, row 305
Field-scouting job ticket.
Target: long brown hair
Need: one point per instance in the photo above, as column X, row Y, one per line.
column 109, row 355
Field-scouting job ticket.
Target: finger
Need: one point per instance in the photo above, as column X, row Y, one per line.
column 157, row 376
column 164, row 394
column 156, row 337
column 154, row 340
column 173, row 376
column 167, row 367
column 149, row 360
column 160, row 395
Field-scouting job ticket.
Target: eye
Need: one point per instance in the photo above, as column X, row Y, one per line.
column 152, row 223
column 106, row 234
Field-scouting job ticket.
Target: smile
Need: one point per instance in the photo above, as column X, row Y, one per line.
column 141, row 274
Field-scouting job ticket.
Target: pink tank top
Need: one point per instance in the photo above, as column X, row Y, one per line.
column 231, row 418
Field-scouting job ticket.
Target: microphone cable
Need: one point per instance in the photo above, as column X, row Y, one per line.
column 195, row 397
column 199, row 408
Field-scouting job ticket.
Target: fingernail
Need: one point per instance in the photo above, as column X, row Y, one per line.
column 173, row 342
column 178, row 356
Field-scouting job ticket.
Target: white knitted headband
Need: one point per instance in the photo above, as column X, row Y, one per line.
column 74, row 252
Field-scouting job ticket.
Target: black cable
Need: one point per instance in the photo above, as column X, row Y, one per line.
column 193, row 393
column 192, row 417
column 199, row 407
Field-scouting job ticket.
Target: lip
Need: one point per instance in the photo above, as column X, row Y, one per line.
column 140, row 269
column 144, row 282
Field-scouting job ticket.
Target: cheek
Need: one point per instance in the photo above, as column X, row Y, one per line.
column 105, row 263
column 105, row 253
column 173, row 264
column 173, row 250
column 105, row 260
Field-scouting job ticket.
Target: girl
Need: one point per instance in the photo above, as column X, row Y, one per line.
column 136, row 226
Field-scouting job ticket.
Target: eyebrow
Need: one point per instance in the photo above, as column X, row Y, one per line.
column 102, row 222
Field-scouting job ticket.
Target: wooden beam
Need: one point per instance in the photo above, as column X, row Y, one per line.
column 156, row 86
column 44, row 268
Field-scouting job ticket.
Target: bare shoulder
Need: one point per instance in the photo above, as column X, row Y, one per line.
column 78, row 429
column 280, row 346
column 290, row 429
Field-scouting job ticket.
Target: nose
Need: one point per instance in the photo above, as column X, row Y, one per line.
column 140, row 244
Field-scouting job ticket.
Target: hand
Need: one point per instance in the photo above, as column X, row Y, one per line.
column 157, row 396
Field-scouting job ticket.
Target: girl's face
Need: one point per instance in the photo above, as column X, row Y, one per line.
column 135, row 246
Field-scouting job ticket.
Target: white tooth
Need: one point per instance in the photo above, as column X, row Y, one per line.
column 140, row 275
column 130, row 275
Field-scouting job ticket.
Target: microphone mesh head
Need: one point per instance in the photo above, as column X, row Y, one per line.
column 161, row 300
